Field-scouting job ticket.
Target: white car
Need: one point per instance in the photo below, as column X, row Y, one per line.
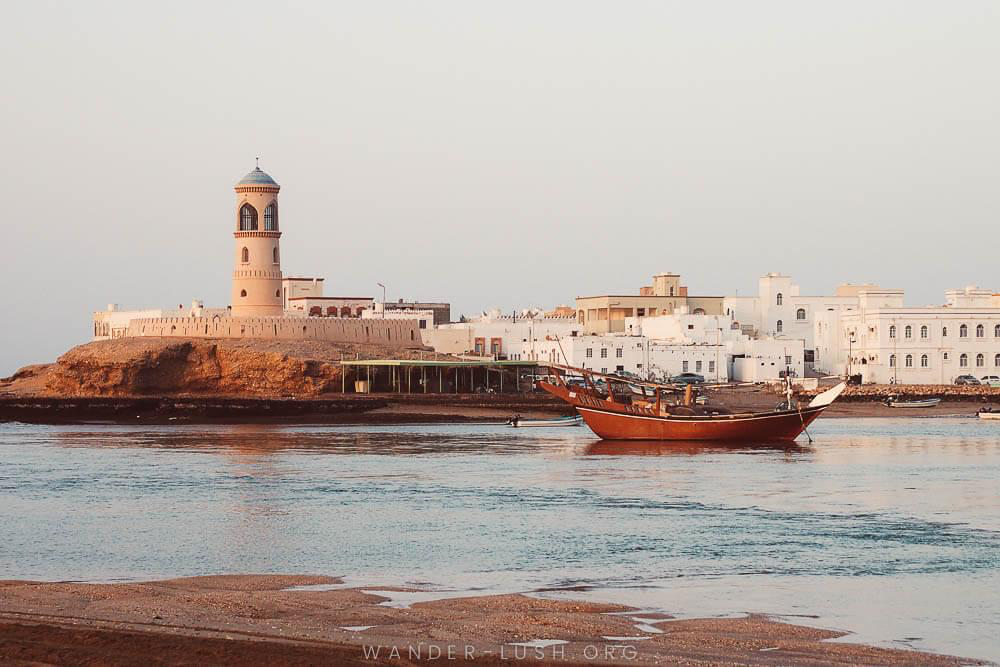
column 991, row 380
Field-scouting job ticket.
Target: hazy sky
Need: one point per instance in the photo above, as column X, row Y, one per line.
column 493, row 154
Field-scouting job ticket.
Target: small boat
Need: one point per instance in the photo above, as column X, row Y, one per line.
column 988, row 414
column 893, row 402
column 572, row 420
column 619, row 415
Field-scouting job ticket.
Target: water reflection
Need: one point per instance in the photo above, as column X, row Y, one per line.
column 685, row 448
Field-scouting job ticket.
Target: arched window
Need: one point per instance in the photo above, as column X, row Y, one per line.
column 271, row 218
column 698, row 311
column 800, row 314
column 245, row 255
column 908, row 331
column 980, row 360
column 923, row 331
column 331, row 311
column 277, row 293
column 243, row 293
column 996, row 360
column 963, row 331
column 315, row 311
column 980, row 331
column 778, row 300
column 996, row 331
column 892, row 331
column 924, row 361
column 892, row 361
column 909, row 361
column 274, row 253
column 780, row 326
column 944, row 332
column 963, row 361
column 248, row 218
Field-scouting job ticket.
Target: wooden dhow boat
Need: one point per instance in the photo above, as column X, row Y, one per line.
column 625, row 415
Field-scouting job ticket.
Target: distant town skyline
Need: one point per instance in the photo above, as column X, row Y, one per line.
column 510, row 156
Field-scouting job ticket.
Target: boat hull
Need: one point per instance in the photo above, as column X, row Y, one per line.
column 615, row 421
column 781, row 426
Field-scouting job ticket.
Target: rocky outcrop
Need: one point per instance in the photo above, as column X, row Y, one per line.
column 165, row 366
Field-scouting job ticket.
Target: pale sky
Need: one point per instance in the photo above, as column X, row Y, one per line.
column 493, row 154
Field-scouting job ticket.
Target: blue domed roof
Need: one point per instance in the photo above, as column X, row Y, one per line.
column 257, row 177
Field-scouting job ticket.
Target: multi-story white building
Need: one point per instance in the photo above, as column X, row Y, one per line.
column 501, row 336
column 780, row 311
column 885, row 341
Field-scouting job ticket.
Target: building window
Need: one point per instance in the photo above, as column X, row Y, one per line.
column 892, row 361
column 243, row 293
column 780, row 326
column 980, row 360
column 996, row 331
column 945, row 356
column 271, row 218
column 245, row 255
column 684, row 367
column 248, row 218
column 275, row 254
column 980, row 331
column 800, row 314
column 963, row 331
column 277, row 293
column 590, row 352
column 423, row 324
column 963, row 361
column 788, row 360
column 923, row 331
column 944, row 332
column 618, row 353
column 892, row 331
column 711, row 367
column 604, row 353
column 779, row 299
column 996, row 360
column 909, row 361
column 604, row 371
column 908, row 331
column 924, row 361
column 697, row 366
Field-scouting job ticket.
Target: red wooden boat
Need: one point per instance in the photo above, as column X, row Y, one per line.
column 626, row 416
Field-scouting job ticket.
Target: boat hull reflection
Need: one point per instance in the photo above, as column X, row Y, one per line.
column 683, row 447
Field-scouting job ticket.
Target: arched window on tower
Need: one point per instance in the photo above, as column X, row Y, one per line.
column 271, row 218
column 779, row 299
column 245, row 255
column 800, row 314
column 248, row 218
column 275, row 253
column 243, row 292
column 780, row 326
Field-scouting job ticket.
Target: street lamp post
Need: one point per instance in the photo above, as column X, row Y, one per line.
column 383, row 299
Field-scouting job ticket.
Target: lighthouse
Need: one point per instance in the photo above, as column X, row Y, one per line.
column 257, row 273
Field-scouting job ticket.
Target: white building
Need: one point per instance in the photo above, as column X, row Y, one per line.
column 780, row 311
column 887, row 342
column 501, row 336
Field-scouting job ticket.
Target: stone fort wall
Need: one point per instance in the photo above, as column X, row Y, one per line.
column 392, row 333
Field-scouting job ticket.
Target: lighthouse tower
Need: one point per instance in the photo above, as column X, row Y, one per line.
column 257, row 277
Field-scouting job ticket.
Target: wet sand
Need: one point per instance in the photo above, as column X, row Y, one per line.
column 257, row 620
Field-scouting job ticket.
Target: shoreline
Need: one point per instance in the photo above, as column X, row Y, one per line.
column 374, row 410
column 302, row 619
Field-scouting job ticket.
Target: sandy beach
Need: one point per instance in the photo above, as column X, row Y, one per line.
column 280, row 620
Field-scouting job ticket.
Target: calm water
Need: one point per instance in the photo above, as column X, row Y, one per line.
column 888, row 528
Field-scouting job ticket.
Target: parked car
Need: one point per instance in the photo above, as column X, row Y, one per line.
column 990, row 380
column 967, row 379
column 687, row 378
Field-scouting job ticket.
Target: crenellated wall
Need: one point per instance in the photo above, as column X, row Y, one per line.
column 395, row 333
